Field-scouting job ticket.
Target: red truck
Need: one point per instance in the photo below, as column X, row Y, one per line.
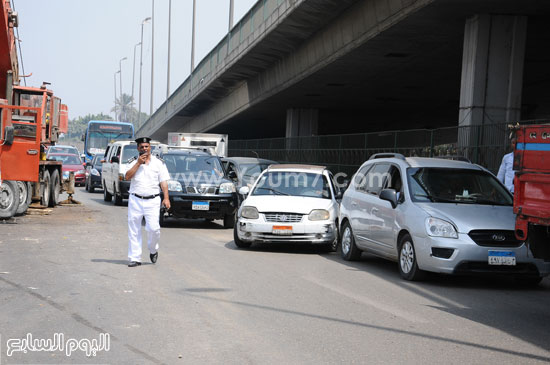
column 532, row 188
column 31, row 119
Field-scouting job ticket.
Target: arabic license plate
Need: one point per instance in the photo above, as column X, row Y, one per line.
column 502, row 258
column 200, row 206
column 282, row 230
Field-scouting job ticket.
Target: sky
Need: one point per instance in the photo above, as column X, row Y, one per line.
column 77, row 45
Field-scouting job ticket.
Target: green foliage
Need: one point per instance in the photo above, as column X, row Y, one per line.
column 126, row 111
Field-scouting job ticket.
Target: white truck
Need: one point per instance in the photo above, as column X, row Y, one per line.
column 215, row 144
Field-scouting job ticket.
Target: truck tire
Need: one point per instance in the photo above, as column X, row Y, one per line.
column 9, row 199
column 45, row 189
column 106, row 195
column 25, row 197
column 55, row 188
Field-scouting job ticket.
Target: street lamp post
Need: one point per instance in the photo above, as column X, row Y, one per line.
column 134, row 70
column 146, row 20
column 193, row 37
column 152, row 54
column 168, row 68
column 120, row 84
column 114, row 77
column 231, row 7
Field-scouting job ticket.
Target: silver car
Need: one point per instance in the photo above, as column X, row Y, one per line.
column 431, row 214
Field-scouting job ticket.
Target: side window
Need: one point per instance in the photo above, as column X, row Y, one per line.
column 377, row 178
column 360, row 178
column 395, row 182
column 119, row 148
column 231, row 167
column 225, row 164
column 333, row 183
column 106, row 155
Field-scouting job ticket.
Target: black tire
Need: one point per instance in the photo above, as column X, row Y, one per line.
column 406, row 260
column 45, row 189
column 91, row 188
column 9, row 199
column 25, row 197
column 229, row 221
column 55, row 189
column 106, row 195
column 162, row 218
column 528, row 281
column 349, row 250
column 238, row 242
column 118, row 197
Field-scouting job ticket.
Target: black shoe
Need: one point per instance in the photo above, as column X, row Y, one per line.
column 154, row 257
column 134, row 264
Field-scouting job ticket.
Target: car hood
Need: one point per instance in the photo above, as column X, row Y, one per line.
column 195, row 180
column 287, row 204
column 467, row 217
column 72, row 167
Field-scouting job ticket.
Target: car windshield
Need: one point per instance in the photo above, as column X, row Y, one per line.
column 205, row 165
column 128, row 152
column 293, row 184
column 466, row 186
column 97, row 161
column 67, row 159
column 250, row 171
column 57, row 149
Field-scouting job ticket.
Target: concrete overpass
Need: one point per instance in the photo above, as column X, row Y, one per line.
column 299, row 67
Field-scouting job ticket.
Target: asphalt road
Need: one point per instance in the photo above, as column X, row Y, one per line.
column 205, row 301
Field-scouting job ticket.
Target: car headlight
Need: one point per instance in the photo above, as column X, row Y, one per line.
column 227, row 188
column 81, row 172
column 319, row 215
column 250, row 213
column 174, row 185
column 94, row 172
column 436, row 227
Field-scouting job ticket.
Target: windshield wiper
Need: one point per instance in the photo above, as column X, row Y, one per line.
column 436, row 199
column 273, row 190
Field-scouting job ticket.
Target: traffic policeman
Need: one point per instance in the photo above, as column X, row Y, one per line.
column 146, row 173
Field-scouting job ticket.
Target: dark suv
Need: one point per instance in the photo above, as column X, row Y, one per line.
column 198, row 187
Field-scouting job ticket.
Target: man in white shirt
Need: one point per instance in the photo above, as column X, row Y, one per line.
column 146, row 174
column 506, row 171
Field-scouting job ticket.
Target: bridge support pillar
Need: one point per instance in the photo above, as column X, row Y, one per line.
column 301, row 122
column 492, row 76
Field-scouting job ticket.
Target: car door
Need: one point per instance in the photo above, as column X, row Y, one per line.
column 374, row 225
column 355, row 205
column 386, row 234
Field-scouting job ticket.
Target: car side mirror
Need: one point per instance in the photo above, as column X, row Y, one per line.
column 8, row 135
column 115, row 159
column 389, row 195
column 244, row 190
column 232, row 175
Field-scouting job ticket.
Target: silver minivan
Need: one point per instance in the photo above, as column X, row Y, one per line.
column 432, row 214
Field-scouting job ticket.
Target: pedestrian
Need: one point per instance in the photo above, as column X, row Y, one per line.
column 506, row 171
column 146, row 173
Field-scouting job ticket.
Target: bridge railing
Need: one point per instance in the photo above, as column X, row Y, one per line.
column 246, row 33
column 484, row 145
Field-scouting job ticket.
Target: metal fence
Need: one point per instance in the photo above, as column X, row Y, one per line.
column 483, row 144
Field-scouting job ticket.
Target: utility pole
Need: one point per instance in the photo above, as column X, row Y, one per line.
column 193, row 37
column 169, row 31
column 145, row 21
column 152, row 55
column 134, row 70
column 231, row 7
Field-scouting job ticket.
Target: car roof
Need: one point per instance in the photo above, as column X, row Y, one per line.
column 185, row 152
column 292, row 167
column 440, row 162
column 240, row 160
column 63, row 154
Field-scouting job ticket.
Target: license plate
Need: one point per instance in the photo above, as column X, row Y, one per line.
column 282, row 230
column 502, row 258
column 200, row 206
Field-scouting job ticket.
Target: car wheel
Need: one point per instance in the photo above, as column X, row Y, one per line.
column 91, row 188
column 238, row 242
column 106, row 195
column 55, row 189
column 528, row 281
column 350, row 252
column 229, row 221
column 9, row 199
column 46, row 187
column 118, row 197
column 406, row 260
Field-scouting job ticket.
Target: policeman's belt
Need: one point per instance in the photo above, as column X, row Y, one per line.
column 145, row 197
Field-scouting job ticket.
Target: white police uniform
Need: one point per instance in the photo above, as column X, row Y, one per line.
column 144, row 201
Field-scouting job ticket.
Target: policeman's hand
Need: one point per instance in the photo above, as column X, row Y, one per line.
column 142, row 158
column 166, row 203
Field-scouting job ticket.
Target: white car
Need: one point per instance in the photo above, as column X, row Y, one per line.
column 289, row 203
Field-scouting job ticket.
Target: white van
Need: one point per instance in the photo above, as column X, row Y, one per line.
column 118, row 155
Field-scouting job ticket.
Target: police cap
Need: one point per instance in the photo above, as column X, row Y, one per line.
column 143, row 140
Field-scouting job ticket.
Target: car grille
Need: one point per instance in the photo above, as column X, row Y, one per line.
column 494, row 238
column 283, row 217
column 201, row 190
